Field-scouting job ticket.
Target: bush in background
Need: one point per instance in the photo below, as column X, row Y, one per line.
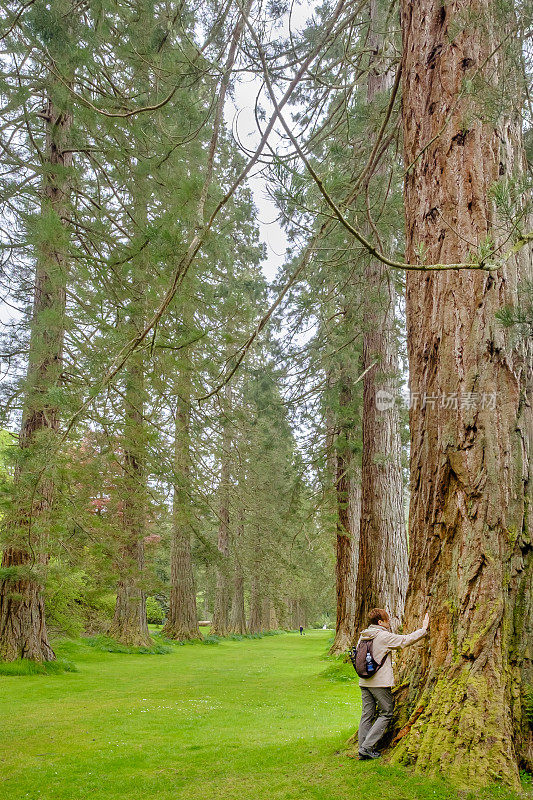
column 154, row 611
column 74, row 605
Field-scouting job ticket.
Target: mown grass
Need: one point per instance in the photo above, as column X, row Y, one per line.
column 23, row 667
column 107, row 645
column 245, row 720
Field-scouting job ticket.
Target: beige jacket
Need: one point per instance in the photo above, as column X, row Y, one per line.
column 384, row 643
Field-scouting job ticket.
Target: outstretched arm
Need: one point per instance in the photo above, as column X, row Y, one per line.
column 396, row 640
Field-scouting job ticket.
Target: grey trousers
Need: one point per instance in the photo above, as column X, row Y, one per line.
column 371, row 732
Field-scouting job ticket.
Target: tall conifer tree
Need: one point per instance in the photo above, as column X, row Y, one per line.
column 470, row 561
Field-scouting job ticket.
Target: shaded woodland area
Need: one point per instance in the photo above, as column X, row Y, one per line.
column 183, row 437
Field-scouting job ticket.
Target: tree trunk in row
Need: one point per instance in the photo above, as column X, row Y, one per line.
column 22, row 620
column 269, row 617
column 348, row 506
column 298, row 614
column 223, row 595
column 273, row 621
column 255, row 622
column 129, row 625
column 460, row 709
column 237, row 622
column 182, row 619
column 382, row 564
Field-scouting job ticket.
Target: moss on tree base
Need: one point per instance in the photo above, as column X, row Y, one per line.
column 180, row 634
column 464, row 733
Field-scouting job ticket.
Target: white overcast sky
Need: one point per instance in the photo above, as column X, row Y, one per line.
column 239, row 114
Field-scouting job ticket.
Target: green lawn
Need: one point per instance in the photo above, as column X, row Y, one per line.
column 240, row 720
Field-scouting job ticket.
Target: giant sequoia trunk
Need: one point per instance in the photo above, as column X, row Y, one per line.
column 348, row 503
column 129, row 624
column 255, row 621
column 22, row 622
column 460, row 709
column 348, row 491
column 182, row 620
column 237, row 622
column 382, row 563
column 270, row 616
column 223, row 593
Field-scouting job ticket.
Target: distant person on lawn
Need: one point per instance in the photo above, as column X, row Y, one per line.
column 376, row 691
column 302, row 631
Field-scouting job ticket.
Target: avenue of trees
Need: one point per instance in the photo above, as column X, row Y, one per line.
column 175, row 427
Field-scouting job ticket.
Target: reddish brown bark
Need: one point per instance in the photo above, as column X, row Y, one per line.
column 182, row 620
column 255, row 621
column 348, row 492
column 22, row 622
column 471, row 551
column 343, row 463
column 293, row 614
column 237, row 622
column 382, row 562
column 221, row 611
column 272, row 622
column 130, row 625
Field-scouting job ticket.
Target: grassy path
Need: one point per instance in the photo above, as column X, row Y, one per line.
column 250, row 720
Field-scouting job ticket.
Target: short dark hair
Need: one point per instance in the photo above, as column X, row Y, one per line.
column 377, row 614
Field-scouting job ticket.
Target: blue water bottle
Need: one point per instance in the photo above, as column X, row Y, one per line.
column 369, row 664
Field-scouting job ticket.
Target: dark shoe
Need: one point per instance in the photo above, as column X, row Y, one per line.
column 363, row 756
column 373, row 754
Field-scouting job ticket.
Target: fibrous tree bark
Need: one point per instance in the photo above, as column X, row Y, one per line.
column 182, row 619
column 348, row 509
column 209, row 591
column 237, row 622
column 382, row 562
column 255, row 621
column 265, row 614
column 293, row 613
column 129, row 624
column 284, row 613
column 460, row 709
column 220, row 625
column 269, row 616
column 273, row 621
column 22, row 619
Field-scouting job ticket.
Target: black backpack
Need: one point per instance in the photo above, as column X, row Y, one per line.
column 358, row 658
